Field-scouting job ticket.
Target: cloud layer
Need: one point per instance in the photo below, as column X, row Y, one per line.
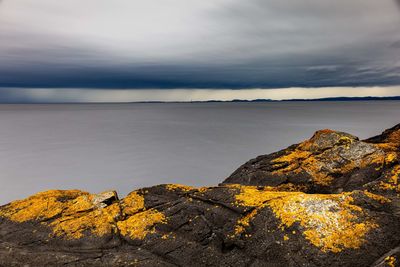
column 220, row 44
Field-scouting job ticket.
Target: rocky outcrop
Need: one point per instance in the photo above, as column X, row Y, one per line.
column 332, row 200
column 329, row 162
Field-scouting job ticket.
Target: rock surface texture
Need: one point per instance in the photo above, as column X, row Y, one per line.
column 332, row 200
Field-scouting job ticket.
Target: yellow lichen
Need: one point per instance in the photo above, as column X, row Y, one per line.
column 394, row 137
column 165, row 236
column 180, row 187
column 392, row 182
column 345, row 140
column 255, row 196
column 42, row 206
column 203, row 189
column 293, row 159
column 387, row 147
column 329, row 222
column 302, row 160
column 244, row 222
column 133, row 203
column 391, row 157
column 98, row 221
column 140, row 221
column 376, row 197
column 72, row 213
column 391, row 261
column 290, row 188
column 391, row 143
column 140, row 224
column 310, row 157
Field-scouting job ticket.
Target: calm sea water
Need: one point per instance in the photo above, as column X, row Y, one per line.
column 97, row 147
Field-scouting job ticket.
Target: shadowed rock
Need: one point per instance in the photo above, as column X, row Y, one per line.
column 332, row 200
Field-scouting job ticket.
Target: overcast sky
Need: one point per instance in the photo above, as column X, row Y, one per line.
column 102, row 45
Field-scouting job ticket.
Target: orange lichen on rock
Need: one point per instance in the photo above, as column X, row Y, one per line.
column 69, row 213
column 298, row 161
column 42, row 206
column 293, row 160
column 391, row 142
column 330, row 222
column 139, row 222
column 72, row 213
column 132, row 203
column 392, row 181
column 98, row 221
column 394, row 137
column 391, row 157
column 244, row 222
column 289, row 187
column 139, row 225
column 183, row 188
column 327, row 154
column 378, row 198
column 390, row 261
column 203, row 189
column 254, row 196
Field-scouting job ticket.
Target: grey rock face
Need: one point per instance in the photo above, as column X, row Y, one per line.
column 104, row 199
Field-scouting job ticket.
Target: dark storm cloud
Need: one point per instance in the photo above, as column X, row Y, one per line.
column 188, row 44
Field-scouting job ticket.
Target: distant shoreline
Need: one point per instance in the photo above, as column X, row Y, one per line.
column 327, row 99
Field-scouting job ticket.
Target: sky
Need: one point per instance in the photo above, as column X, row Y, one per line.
column 143, row 50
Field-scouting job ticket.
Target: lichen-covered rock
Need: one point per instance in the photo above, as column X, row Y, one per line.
column 332, row 200
column 329, row 162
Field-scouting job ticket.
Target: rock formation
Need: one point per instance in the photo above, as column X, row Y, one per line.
column 332, row 200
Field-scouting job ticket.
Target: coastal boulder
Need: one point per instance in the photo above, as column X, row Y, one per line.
column 329, row 162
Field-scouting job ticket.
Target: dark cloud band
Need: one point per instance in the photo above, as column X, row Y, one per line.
column 229, row 44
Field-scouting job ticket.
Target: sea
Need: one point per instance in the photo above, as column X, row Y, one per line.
column 122, row 147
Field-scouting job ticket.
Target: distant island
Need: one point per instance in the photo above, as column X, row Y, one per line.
column 327, row 99
column 261, row 100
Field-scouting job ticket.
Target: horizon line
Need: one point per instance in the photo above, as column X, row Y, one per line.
column 78, row 95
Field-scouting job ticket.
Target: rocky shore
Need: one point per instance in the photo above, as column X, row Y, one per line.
column 332, row 200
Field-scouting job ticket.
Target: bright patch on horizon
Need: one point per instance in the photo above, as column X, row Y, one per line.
column 12, row 95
